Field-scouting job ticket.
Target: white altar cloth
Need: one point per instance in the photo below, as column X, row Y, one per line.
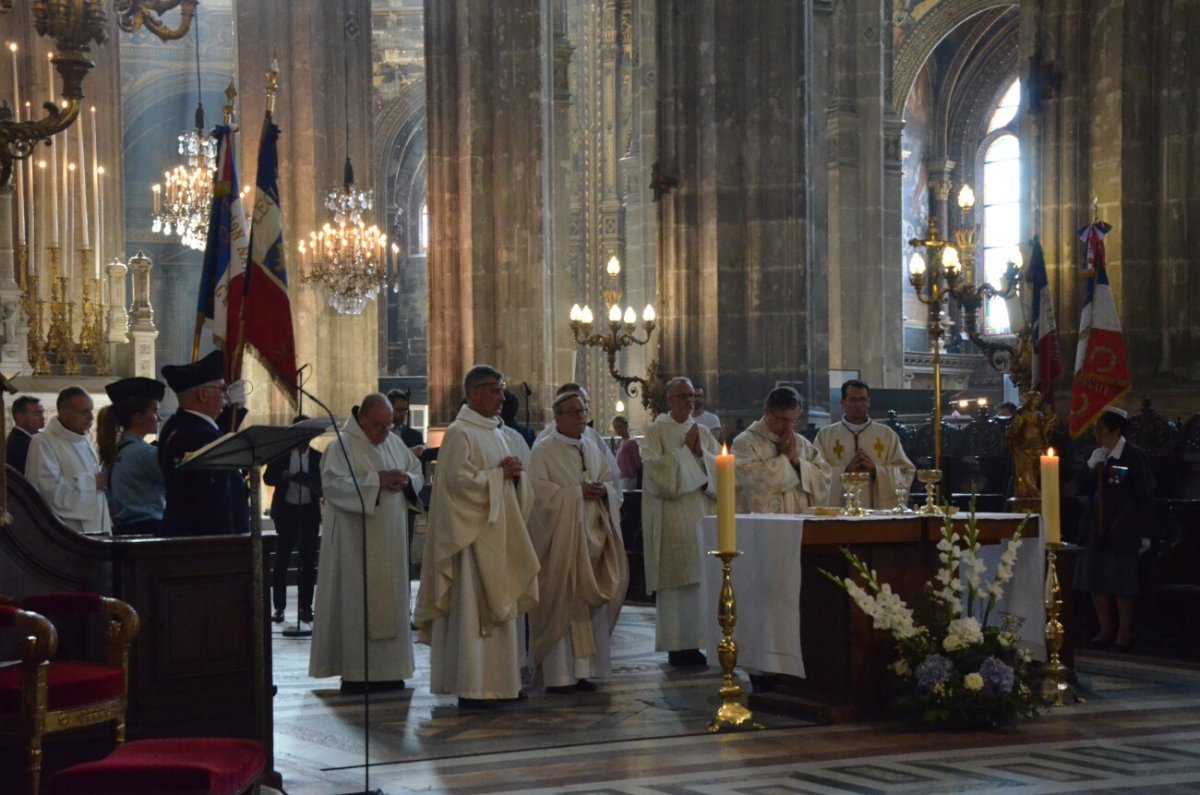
column 766, row 582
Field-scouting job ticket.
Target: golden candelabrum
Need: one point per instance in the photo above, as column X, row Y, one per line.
column 1056, row 684
column 732, row 713
column 99, row 344
column 66, row 350
column 621, row 334
column 947, row 276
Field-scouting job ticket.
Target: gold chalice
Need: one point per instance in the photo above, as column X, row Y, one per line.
column 930, row 477
column 852, row 486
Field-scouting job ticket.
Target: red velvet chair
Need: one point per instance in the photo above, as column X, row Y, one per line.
column 191, row 766
column 40, row 695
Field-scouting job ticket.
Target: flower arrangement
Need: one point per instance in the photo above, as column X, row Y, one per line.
column 960, row 670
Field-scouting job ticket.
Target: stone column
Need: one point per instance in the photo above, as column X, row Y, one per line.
column 562, row 291
column 1112, row 101
column 142, row 331
column 487, row 102
column 866, row 272
column 941, row 181
column 733, row 147
column 314, row 43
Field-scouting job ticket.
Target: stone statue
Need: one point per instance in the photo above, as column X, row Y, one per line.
column 1028, row 436
column 8, row 324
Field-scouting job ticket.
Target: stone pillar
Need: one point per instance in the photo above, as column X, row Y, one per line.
column 636, row 33
column 866, row 274
column 14, row 332
column 1120, row 128
column 314, row 43
column 142, row 331
column 941, row 181
column 488, row 288
column 733, row 148
column 562, row 290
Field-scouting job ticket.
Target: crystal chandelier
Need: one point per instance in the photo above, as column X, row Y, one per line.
column 346, row 258
column 182, row 208
column 184, row 205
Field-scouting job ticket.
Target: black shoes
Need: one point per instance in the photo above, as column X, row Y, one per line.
column 306, row 616
column 478, row 703
column 277, row 616
column 687, row 658
column 382, row 686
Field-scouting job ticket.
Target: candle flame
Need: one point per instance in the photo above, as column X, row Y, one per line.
column 1050, row 452
column 724, row 448
column 12, row 45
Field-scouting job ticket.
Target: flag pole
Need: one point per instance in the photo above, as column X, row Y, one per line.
column 240, row 351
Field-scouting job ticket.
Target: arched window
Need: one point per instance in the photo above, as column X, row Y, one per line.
column 424, row 231
column 1001, row 198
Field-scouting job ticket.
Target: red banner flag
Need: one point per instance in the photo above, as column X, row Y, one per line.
column 1101, row 369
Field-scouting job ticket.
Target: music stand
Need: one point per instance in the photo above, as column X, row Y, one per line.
column 249, row 449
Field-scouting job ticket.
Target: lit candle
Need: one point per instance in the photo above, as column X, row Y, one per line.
column 83, row 213
column 54, row 238
column 726, row 526
column 17, row 111
column 31, row 257
column 1051, row 531
column 96, row 171
column 99, row 213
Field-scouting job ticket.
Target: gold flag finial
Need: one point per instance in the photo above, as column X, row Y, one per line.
column 230, row 93
column 272, row 84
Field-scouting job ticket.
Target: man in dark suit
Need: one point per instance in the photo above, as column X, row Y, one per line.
column 28, row 418
column 411, row 437
column 200, row 501
column 296, row 509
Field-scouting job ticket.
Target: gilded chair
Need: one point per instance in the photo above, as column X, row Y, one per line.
column 40, row 695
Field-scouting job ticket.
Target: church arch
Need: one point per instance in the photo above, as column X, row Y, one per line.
column 400, row 187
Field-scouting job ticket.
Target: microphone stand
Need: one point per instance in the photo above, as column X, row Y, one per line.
column 366, row 790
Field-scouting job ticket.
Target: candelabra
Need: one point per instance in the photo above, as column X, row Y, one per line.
column 732, row 713
column 621, row 334
column 1056, row 683
column 942, row 271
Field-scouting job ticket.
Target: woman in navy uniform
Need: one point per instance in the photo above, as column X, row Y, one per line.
column 1119, row 487
column 199, row 501
column 136, row 491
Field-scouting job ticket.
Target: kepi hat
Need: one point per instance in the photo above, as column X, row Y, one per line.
column 136, row 387
column 1122, row 413
column 182, row 377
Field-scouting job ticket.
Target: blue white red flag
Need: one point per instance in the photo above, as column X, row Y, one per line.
column 1047, row 355
column 260, row 312
column 1101, row 369
column 227, row 245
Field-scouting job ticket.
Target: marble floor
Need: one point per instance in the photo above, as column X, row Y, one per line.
column 644, row 732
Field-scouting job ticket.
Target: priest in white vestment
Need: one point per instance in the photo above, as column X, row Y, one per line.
column 479, row 571
column 569, row 388
column 64, row 467
column 389, row 478
column 576, row 530
column 859, row 444
column 679, row 488
column 778, row 470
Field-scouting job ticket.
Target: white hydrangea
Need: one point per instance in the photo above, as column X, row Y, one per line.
column 967, row 629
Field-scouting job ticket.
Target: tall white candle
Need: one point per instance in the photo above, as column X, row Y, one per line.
column 85, row 234
column 68, row 238
column 41, row 182
column 20, row 189
column 53, row 209
column 726, row 523
column 1051, row 529
column 96, row 191
column 31, row 251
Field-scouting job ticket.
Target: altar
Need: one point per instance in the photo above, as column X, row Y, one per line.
column 809, row 648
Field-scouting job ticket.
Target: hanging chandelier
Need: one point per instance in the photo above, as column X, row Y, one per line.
column 183, row 206
column 346, row 258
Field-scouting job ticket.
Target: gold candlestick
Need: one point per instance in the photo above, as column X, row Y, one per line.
column 732, row 713
column 66, row 352
column 21, row 252
column 1056, row 683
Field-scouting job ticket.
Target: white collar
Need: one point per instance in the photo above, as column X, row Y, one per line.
column 856, row 427
column 568, row 440
column 468, row 414
column 1118, row 448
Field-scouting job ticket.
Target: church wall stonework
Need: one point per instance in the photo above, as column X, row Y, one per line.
column 1121, row 128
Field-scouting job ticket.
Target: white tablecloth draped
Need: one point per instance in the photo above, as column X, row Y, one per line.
column 766, row 581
